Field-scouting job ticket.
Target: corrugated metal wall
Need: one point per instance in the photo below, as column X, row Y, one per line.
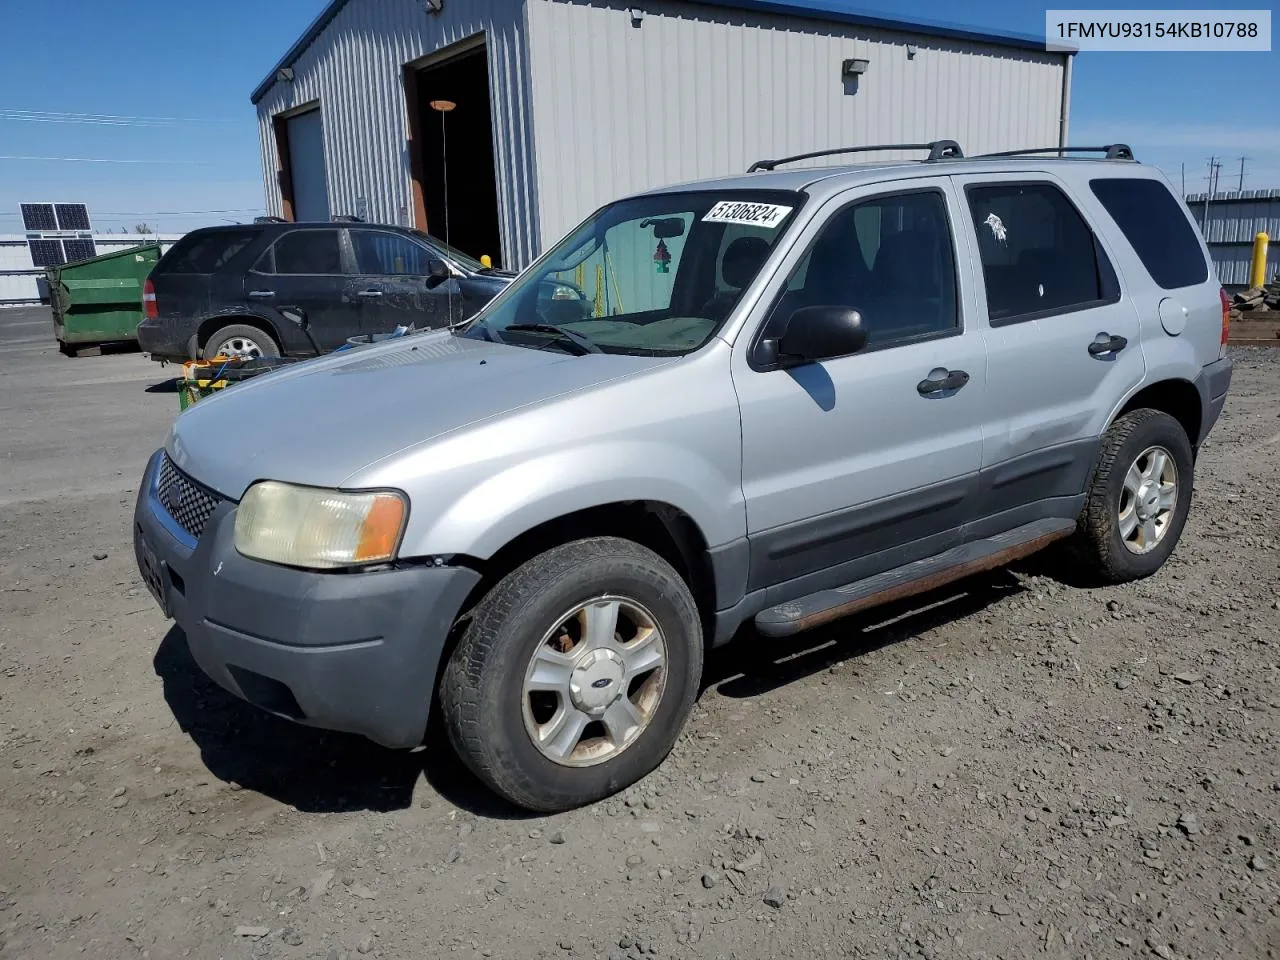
column 696, row 92
column 355, row 70
column 1235, row 218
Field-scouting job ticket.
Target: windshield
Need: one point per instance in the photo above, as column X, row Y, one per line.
column 653, row 275
column 466, row 261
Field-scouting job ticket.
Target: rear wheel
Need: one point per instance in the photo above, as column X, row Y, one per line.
column 1138, row 498
column 575, row 674
column 241, row 341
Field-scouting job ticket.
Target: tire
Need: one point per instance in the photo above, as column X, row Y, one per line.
column 488, row 712
column 1100, row 538
column 257, row 342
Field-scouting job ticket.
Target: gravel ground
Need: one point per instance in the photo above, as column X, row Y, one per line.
column 1013, row 767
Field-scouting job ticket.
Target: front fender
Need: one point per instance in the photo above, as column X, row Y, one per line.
column 486, row 516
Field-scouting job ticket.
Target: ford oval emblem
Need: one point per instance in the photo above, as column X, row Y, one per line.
column 601, row 683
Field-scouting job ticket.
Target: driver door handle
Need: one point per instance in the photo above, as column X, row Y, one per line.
column 261, row 294
column 1104, row 345
column 942, row 380
column 369, row 294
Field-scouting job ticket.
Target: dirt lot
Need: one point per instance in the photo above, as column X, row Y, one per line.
column 1012, row 768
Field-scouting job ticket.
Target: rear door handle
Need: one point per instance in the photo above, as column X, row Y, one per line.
column 261, row 294
column 942, row 380
column 369, row 294
column 1104, row 344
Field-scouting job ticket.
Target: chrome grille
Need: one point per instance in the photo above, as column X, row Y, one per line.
column 189, row 503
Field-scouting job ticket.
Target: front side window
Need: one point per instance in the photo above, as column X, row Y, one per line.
column 653, row 275
column 1039, row 257
column 892, row 259
column 388, row 254
column 315, row 252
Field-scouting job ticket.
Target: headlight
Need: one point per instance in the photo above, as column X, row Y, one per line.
column 321, row 529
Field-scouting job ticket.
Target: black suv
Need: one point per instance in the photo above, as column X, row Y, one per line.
column 226, row 290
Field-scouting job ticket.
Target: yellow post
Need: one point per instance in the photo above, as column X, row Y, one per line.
column 1258, row 268
column 485, row 261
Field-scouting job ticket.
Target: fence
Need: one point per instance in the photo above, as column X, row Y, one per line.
column 18, row 275
column 1233, row 220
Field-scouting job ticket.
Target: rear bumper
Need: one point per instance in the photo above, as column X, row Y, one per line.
column 1212, row 384
column 165, row 339
column 352, row 652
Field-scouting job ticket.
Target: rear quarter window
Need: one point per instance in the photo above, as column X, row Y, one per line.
column 205, row 253
column 1156, row 226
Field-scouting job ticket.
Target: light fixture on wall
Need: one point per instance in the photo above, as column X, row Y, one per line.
column 854, row 67
column 284, row 74
column 433, row 6
column 637, row 16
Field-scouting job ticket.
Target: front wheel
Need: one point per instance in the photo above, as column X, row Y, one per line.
column 575, row 675
column 1138, row 498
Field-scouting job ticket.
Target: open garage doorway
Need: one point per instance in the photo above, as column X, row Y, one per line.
column 455, row 176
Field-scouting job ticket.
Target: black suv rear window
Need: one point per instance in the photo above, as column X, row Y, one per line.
column 206, row 253
column 1154, row 223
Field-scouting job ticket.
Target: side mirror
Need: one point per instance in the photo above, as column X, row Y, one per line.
column 437, row 269
column 820, row 333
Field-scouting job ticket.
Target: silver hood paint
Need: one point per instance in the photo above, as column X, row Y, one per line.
column 326, row 420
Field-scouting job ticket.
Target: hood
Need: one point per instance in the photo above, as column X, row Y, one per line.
column 324, row 420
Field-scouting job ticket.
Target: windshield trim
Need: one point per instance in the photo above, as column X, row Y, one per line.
column 796, row 199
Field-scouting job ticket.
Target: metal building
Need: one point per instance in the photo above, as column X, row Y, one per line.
column 556, row 106
column 1233, row 219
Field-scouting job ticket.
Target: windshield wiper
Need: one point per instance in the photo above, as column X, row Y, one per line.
column 583, row 343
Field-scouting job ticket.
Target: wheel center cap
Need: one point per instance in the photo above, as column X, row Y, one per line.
column 1148, row 501
column 596, row 680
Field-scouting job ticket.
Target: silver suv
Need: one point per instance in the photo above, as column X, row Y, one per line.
column 770, row 400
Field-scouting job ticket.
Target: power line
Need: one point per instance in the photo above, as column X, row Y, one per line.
column 203, row 163
column 57, row 116
column 157, row 213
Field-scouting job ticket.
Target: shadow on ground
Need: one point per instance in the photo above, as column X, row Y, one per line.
column 316, row 771
column 164, row 386
column 320, row 771
column 755, row 664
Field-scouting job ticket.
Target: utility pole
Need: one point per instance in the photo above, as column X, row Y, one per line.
column 1214, row 165
column 1184, row 180
column 1240, row 188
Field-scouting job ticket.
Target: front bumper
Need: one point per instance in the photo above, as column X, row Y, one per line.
column 355, row 652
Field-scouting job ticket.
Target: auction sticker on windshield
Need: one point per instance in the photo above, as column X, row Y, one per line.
column 751, row 214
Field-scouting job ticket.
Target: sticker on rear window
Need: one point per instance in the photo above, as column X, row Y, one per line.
column 749, row 214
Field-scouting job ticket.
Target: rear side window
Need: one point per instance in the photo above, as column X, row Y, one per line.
column 1154, row 223
column 315, row 252
column 206, row 253
column 1039, row 257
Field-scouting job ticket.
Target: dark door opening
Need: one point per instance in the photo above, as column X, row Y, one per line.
column 456, row 148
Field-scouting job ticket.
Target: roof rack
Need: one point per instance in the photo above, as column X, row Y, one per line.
column 938, row 150
column 270, row 220
column 346, row 218
column 1112, row 151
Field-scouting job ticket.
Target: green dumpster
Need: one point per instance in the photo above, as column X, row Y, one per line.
column 100, row 300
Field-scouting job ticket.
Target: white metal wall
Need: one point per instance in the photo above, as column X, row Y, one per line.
column 354, row 69
column 696, row 92
column 18, row 276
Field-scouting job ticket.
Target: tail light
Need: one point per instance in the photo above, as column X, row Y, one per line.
column 1226, row 320
column 151, row 311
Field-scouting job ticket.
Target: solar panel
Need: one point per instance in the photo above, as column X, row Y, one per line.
column 38, row 216
column 46, row 253
column 79, row 249
column 72, row 216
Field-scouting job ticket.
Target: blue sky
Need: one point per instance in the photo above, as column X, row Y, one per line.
column 187, row 69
